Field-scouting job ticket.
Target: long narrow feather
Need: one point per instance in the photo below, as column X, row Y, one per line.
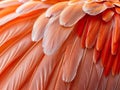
column 84, row 73
column 12, row 31
column 42, row 74
column 95, row 77
column 73, row 55
column 23, row 69
column 112, row 81
column 31, row 6
column 8, row 3
column 10, row 54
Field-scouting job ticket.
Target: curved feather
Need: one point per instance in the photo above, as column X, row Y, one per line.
column 8, row 3
column 68, row 18
column 12, row 31
column 84, row 72
column 55, row 9
column 102, row 34
column 23, row 69
column 73, row 55
column 8, row 18
column 107, row 15
column 31, row 6
column 43, row 72
column 54, row 36
column 10, row 54
column 39, row 27
column 112, row 81
column 115, row 34
column 92, row 32
column 95, row 77
column 94, row 8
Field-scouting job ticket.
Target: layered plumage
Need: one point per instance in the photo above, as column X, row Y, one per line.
column 59, row 45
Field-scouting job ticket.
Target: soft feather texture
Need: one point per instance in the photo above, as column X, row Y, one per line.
column 95, row 77
column 54, row 36
column 14, row 51
column 8, row 3
column 93, row 8
column 39, row 27
column 84, row 73
column 72, row 58
column 72, row 17
column 43, row 72
column 7, row 34
column 31, row 6
column 56, row 9
column 62, row 55
column 20, row 74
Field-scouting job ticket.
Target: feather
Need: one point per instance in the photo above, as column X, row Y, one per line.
column 39, row 27
column 107, row 15
column 73, row 55
column 43, row 72
column 68, row 18
column 60, row 84
column 109, row 65
column 80, row 26
column 7, row 11
column 118, row 84
column 116, row 64
column 115, row 34
column 74, row 1
column 109, row 4
column 96, row 55
column 102, row 35
column 102, row 83
column 56, row 82
column 106, row 50
column 8, row 3
column 112, row 82
column 92, row 32
column 14, row 51
column 31, row 6
column 54, row 36
column 95, row 77
column 7, row 18
column 84, row 72
column 55, row 9
column 12, row 31
column 117, row 9
column 94, row 8
column 23, row 69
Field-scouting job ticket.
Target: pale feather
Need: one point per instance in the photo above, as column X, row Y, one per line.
column 95, row 77
column 31, row 6
column 39, row 27
column 73, row 56
column 7, row 3
column 93, row 8
column 8, row 18
column 54, row 36
column 103, row 83
column 43, row 72
column 71, row 15
column 84, row 72
column 56, row 9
